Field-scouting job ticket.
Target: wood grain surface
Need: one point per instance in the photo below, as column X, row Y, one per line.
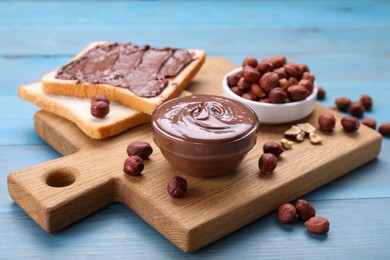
column 345, row 43
column 58, row 193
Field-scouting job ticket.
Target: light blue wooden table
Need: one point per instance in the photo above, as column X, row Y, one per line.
column 345, row 43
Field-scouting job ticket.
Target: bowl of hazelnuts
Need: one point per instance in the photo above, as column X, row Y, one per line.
column 278, row 91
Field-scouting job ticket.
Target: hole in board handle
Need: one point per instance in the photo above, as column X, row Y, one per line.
column 60, row 178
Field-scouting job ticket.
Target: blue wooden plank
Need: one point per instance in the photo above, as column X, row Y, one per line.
column 117, row 232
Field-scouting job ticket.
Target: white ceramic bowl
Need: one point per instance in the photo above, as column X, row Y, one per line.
column 274, row 113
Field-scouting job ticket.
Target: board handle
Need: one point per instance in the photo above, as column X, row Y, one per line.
column 56, row 194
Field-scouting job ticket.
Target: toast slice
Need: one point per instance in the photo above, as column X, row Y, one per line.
column 52, row 85
column 77, row 110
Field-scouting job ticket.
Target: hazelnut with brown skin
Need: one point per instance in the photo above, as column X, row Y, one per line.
column 293, row 81
column 177, row 187
column 100, row 106
column 366, row 101
column 305, row 210
column 267, row 163
column 293, row 69
column 317, row 225
column 233, row 79
column 250, row 74
column 249, row 96
column 264, row 67
column 243, row 84
column 257, row 90
column 307, row 84
column 133, row 165
column 274, row 148
column 356, row 109
column 342, row 103
column 237, row 91
column 250, row 61
column 140, row 148
column 287, row 213
column 370, row 122
column 269, row 81
column 304, row 68
column 284, row 84
column 309, row 76
column 277, row 95
column 384, row 129
column 321, row 93
column 297, row 92
column 327, row 121
column 276, row 61
column 281, row 73
column 350, row 124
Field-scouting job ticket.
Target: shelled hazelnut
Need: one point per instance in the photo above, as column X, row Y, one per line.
column 370, row 122
column 177, row 187
column 317, row 225
column 100, row 106
column 342, row 103
column 268, row 163
column 287, row 213
column 384, row 129
column 257, row 80
column 356, row 109
column 140, row 148
column 274, row 148
column 133, row 165
column 366, row 101
column 321, row 93
column 327, row 121
column 350, row 124
column 305, row 210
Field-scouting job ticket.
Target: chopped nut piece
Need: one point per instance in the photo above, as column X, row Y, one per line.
column 301, row 136
column 307, row 128
column 293, row 131
column 314, row 138
column 286, row 143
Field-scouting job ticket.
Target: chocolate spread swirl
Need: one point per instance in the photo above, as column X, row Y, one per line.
column 143, row 70
column 203, row 119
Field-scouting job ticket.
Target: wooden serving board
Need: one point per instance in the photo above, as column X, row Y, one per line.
column 89, row 176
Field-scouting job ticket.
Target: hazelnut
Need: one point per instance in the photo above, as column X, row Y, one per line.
column 342, row 103
column 243, row 84
column 237, row 91
column 293, row 69
column 301, row 136
column 269, row 81
column 284, row 84
column 264, row 100
column 327, row 121
column 274, row 148
column 133, row 165
column 277, row 95
column 140, row 148
column 315, row 138
column 233, row 79
column 384, row 129
column 177, row 187
column 321, row 93
column 293, row 131
column 307, row 128
column 304, row 68
column 293, row 81
column 307, row 84
column 350, row 123
column 356, row 109
column 309, row 76
column 305, row 210
column 286, row 143
column 317, row 225
column 366, row 101
column 297, row 92
column 267, row 163
column 287, row 213
column 100, row 109
column 264, row 67
column 257, row 90
column 250, row 61
column 276, row 61
column 250, row 74
column 281, row 73
column 370, row 122
column 100, row 97
column 250, row 96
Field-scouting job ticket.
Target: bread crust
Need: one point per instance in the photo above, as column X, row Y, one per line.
column 51, row 85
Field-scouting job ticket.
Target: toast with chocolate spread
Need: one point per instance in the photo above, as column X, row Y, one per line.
column 140, row 77
column 77, row 110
